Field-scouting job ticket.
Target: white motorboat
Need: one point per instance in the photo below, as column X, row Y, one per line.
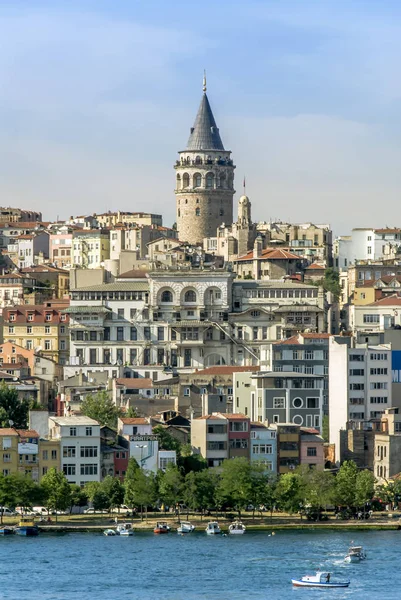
column 213, row 528
column 186, row 527
column 320, row 580
column 355, row 554
column 109, row 532
column 125, row 529
column 237, row 528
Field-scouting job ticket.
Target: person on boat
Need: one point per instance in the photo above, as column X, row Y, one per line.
column 328, row 578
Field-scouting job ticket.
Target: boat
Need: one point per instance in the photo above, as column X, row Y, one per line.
column 161, row 527
column 185, row 527
column 27, row 527
column 213, row 528
column 125, row 529
column 237, row 528
column 109, row 532
column 320, row 580
column 355, row 554
column 6, row 531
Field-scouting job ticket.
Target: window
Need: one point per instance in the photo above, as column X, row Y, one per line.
column 29, row 344
column 89, row 469
column 187, row 357
column 44, row 470
column 11, row 329
column 54, row 454
column 167, row 296
column 45, row 455
column 297, row 403
column 6, row 457
column 262, row 449
column 379, row 371
column 146, row 333
column 187, row 391
column 311, row 451
column 239, row 443
column 357, row 386
column 378, row 356
column 356, row 357
column 29, row 329
column 209, row 180
column 357, row 372
column 278, row 402
column 369, row 318
column 89, row 452
column 197, row 180
column 312, row 402
column 30, row 317
column 48, row 345
column 197, row 212
column 47, row 329
column 120, row 314
column 133, row 334
column 88, row 431
column 238, row 426
column 255, row 313
column 120, row 334
column 69, row 452
column 378, row 399
column 48, row 317
column 69, row 469
column 73, row 431
column 217, row 445
column 190, row 296
column 160, row 334
column 378, row 385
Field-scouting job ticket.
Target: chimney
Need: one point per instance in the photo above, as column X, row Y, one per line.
column 258, row 247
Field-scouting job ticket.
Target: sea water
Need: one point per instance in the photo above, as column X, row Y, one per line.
column 196, row 566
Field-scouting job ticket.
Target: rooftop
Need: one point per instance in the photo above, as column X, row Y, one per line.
column 135, row 383
column 225, row 370
column 393, row 300
column 74, row 420
column 270, row 254
column 134, row 421
column 204, row 134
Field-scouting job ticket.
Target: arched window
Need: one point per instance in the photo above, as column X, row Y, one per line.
column 167, row 296
column 185, row 180
column 197, row 180
column 178, row 181
column 197, row 212
column 198, row 160
column 209, row 180
column 190, row 296
column 179, row 212
column 223, row 180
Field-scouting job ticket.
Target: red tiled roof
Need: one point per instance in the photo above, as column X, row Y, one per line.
column 27, row 433
column 8, row 431
column 393, row 300
column 208, row 417
column 225, row 370
column 135, row 421
column 271, row 254
column 323, row 336
column 388, row 230
column 291, row 340
column 135, row 383
column 232, row 416
column 316, row 266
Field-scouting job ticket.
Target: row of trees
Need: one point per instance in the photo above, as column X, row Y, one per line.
column 237, row 485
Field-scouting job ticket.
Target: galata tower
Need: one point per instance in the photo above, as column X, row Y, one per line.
column 204, row 180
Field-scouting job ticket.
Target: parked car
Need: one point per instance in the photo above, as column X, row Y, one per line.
column 7, row 512
column 26, row 511
column 92, row 511
column 122, row 510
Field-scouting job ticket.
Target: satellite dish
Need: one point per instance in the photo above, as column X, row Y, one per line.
column 11, row 423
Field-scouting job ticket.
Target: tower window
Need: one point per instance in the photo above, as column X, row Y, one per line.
column 197, row 180
column 185, row 180
column 186, row 201
column 197, row 212
column 209, row 180
column 197, row 201
column 198, row 160
column 221, row 212
column 179, row 212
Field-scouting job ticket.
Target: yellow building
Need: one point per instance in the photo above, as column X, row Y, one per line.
column 9, row 451
column 90, row 248
column 110, row 219
column 364, row 295
column 43, row 328
column 49, row 456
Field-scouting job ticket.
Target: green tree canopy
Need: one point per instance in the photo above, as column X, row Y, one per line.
column 364, row 488
column 13, row 409
column 57, row 490
column 171, row 485
column 290, row 493
column 140, row 487
column 101, row 408
column 235, row 485
column 200, row 489
column 114, row 490
column 166, row 440
column 345, row 484
column 318, row 487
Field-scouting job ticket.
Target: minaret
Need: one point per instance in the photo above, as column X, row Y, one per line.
column 204, row 179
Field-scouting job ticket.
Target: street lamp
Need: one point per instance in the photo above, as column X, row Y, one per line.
column 141, row 446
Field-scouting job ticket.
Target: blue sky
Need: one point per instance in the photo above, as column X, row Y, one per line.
column 96, row 98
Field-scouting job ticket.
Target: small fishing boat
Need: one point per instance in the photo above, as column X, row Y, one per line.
column 355, row 554
column 213, row 528
column 6, row 531
column 186, row 527
column 320, row 580
column 109, row 532
column 27, row 527
column 125, row 529
column 161, row 527
column 237, row 528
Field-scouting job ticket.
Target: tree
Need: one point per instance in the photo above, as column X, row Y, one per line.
column 114, row 490
column 26, row 492
column 171, row 485
column 101, row 408
column 345, row 484
column 7, row 494
column 262, row 488
column 57, row 490
column 13, row 409
column 326, row 428
column 289, row 492
column 78, row 496
column 318, row 487
column 330, row 282
column 140, row 487
column 364, row 488
column 166, row 440
column 131, row 413
column 235, row 485
column 200, row 490
column 189, row 461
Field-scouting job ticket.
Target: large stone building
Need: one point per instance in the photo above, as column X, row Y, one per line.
column 204, row 179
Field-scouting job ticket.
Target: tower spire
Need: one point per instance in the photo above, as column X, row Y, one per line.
column 204, row 81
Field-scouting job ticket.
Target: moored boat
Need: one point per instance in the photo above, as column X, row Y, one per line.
column 109, row 532
column 6, row 530
column 320, row 580
column 213, row 528
column 185, row 527
column 237, row 528
column 161, row 527
column 125, row 529
column 27, row 527
column 355, row 554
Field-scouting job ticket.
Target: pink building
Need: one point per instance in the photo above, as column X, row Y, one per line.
column 312, row 448
column 60, row 247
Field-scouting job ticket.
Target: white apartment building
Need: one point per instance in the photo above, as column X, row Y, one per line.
column 365, row 244
column 79, row 446
column 378, row 316
column 143, row 445
column 360, row 384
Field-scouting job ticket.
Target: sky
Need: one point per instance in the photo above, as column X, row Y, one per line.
column 98, row 96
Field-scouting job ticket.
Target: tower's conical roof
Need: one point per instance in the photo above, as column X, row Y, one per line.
column 205, row 134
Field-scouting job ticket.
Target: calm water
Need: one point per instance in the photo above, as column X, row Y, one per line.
column 195, row 567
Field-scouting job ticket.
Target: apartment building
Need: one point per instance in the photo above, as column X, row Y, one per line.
column 288, row 447
column 269, row 263
column 366, row 244
column 60, row 246
column 12, row 288
column 264, row 446
column 51, row 280
column 144, row 445
column 220, row 436
column 110, row 219
column 91, row 247
column 79, row 438
column 42, row 328
column 387, row 446
column 32, row 248
column 382, row 314
column 24, row 451
column 360, row 384
column 312, row 448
